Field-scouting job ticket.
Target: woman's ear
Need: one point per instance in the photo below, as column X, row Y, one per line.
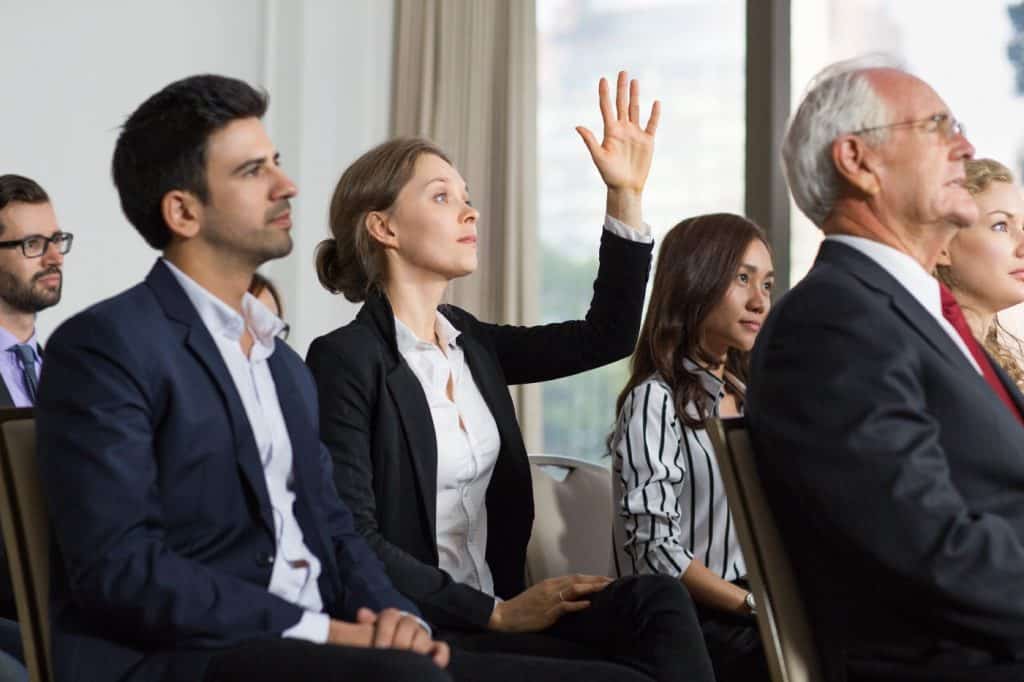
column 944, row 258
column 182, row 212
column 378, row 224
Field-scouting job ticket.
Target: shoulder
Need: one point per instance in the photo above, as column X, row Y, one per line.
column 125, row 319
column 353, row 352
column 651, row 397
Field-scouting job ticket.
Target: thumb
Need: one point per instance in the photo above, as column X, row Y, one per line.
column 589, row 140
column 365, row 616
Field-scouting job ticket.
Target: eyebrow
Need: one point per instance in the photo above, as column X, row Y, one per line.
column 753, row 268
column 252, row 163
column 445, row 181
column 1008, row 214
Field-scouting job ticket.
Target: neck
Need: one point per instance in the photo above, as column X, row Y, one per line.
column 922, row 242
column 720, row 352
column 415, row 304
column 19, row 323
column 226, row 279
column 978, row 320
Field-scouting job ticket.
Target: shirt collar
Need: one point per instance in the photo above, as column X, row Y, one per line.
column 222, row 320
column 408, row 341
column 7, row 340
column 712, row 385
column 907, row 271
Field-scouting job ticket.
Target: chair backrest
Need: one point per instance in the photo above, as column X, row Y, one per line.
column 26, row 533
column 572, row 525
column 785, row 631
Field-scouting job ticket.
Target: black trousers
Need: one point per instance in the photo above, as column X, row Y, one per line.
column 637, row 628
column 734, row 644
column 287, row 660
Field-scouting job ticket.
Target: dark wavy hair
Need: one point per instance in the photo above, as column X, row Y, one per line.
column 698, row 260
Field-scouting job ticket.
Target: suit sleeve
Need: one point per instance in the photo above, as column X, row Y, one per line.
column 856, row 461
column 607, row 333
column 346, row 389
column 96, row 443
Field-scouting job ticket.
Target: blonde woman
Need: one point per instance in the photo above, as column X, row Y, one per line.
column 984, row 264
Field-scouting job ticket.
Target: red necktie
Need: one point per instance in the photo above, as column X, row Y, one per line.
column 955, row 315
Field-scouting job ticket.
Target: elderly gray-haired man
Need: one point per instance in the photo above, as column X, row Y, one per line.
column 891, row 446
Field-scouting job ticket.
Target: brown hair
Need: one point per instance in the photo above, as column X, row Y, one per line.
column 259, row 284
column 1005, row 347
column 350, row 262
column 697, row 262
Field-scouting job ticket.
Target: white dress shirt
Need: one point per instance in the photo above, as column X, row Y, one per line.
column 914, row 278
column 296, row 569
column 467, row 449
column 467, row 440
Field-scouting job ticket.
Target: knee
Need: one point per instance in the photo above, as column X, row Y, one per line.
column 651, row 595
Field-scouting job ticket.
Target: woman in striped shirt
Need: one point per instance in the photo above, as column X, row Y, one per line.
column 711, row 293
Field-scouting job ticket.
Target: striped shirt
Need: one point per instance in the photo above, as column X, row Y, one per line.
column 670, row 504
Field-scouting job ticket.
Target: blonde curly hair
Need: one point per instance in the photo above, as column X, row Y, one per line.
column 1004, row 346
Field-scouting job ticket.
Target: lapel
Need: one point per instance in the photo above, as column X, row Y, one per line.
column 305, row 449
column 1007, row 382
column 874, row 276
column 5, row 395
column 412, row 407
column 491, row 385
column 200, row 344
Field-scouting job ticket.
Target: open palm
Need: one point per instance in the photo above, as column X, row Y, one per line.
column 623, row 157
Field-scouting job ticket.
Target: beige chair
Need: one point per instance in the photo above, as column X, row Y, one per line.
column 572, row 525
column 26, row 533
column 781, row 617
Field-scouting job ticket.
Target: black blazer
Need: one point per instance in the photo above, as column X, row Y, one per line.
column 158, row 498
column 896, row 472
column 375, row 420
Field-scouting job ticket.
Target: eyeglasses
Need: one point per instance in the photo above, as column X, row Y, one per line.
column 945, row 124
column 36, row 245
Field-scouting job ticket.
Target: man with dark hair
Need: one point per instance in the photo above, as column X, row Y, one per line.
column 199, row 532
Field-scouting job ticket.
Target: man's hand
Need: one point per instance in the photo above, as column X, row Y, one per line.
column 540, row 606
column 623, row 158
column 389, row 629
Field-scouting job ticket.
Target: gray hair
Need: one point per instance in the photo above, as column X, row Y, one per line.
column 839, row 100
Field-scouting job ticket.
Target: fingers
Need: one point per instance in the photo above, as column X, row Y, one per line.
column 574, row 592
column 441, row 654
column 365, row 616
column 621, row 106
column 605, row 103
column 384, row 631
column 652, row 122
column 634, row 101
column 406, row 632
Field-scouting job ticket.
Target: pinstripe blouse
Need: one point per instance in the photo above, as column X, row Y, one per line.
column 670, row 504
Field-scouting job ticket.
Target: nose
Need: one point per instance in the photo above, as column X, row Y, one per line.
column 758, row 301
column 284, row 188
column 52, row 255
column 961, row 149
column 470, row 214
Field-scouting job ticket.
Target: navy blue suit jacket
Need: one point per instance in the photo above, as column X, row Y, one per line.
column 158, row 500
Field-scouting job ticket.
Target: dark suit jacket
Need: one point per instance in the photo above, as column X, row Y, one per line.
column 896, row 472
column 158, row 497
column 375, row 420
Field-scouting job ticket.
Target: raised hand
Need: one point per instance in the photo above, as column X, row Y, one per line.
column 623, row 158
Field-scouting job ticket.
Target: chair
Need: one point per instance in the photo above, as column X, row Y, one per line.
column 785, row 631
column 572, row 524
column 26, row 532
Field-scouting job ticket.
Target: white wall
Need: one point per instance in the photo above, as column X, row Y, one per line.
column 74, row 71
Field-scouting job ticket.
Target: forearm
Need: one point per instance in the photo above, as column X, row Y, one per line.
column 710, row 590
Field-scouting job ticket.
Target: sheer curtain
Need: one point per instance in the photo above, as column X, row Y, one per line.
column 465, row 76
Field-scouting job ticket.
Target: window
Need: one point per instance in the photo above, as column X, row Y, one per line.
column 690, row 55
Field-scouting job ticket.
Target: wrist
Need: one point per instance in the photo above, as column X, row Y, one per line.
column 750, row 604
column 624, row 205
column 495, row 621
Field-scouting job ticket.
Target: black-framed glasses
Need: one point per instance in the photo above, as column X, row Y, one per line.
column 948, row 126
column 35, row 245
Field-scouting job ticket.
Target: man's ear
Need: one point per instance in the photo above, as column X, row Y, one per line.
column 856, row 164
column 379, row 227
column 182, row 211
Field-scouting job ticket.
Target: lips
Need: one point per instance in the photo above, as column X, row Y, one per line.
column 751, row 325
column 1018, row 274
column 283, row 219
column 468, row 240
column 50, row 279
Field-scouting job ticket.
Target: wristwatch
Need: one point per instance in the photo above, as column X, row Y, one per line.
column 751, row 604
